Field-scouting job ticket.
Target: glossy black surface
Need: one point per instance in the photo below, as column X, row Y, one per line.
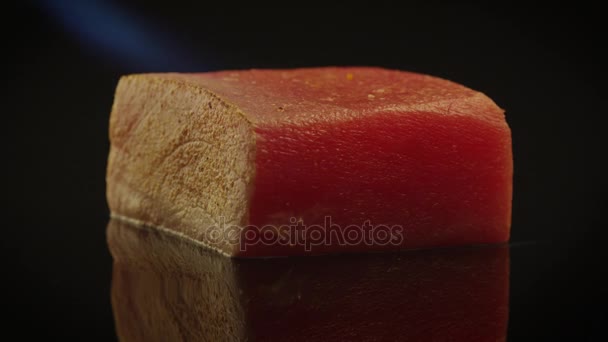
column 555, row 291
column 543, row 65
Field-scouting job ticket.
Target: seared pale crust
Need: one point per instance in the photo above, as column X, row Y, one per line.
column 180, row 158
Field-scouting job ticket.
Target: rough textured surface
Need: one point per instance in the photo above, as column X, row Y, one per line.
column 267, row 147
column 165, row 288
column 180, row 157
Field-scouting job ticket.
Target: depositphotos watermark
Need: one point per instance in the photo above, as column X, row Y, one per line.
column 296, row 233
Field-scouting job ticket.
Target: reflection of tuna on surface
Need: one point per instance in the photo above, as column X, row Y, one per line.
column 166, row 288
column 259, row 147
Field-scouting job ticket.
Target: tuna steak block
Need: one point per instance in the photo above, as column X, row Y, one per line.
column 310, row 161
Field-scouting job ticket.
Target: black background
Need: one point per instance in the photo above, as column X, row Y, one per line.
column 543, row 64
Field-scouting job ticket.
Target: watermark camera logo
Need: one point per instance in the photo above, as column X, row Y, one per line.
column 299, row 234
